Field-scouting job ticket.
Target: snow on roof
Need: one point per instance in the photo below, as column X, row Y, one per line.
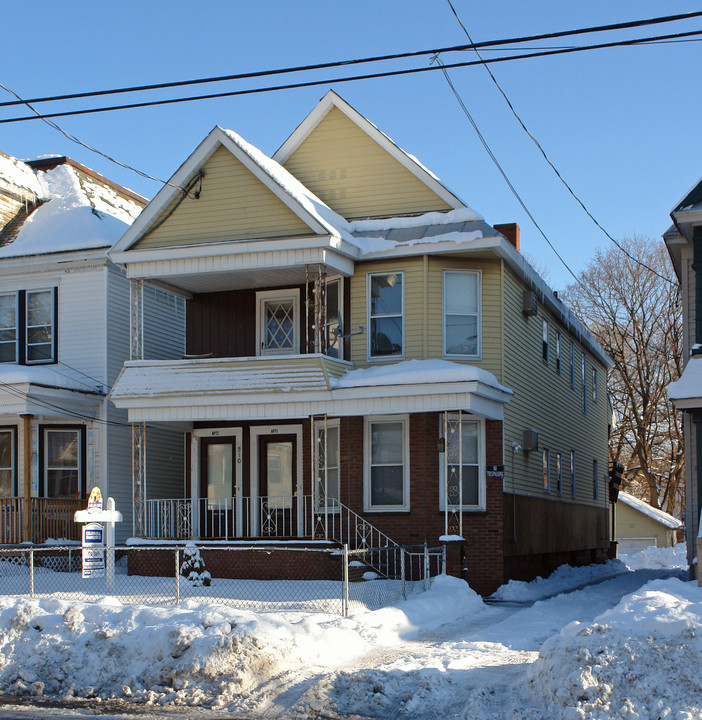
column 689, row 386
column 460, row 215
column 80, row 214
column 644, row 508
column 288, row 182
column 416, row 372
column 19, row 176
column 48, row 376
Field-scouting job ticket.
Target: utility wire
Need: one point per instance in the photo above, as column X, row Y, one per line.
column 487, row 44
column 438, row 60
column 352, row 78
column 548, row 160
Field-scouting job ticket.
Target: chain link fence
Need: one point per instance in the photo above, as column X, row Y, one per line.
column 261, row 578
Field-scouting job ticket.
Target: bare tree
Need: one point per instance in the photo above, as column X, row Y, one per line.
column 634, row 313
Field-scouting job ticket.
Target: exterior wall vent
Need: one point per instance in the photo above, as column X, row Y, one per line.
column 530, row 440
column 529, row 306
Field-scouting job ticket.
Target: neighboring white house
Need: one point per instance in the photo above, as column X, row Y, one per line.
column 64, row 334
column 638, row 525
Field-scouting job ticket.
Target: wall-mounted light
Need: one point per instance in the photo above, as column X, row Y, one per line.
column 441, row 445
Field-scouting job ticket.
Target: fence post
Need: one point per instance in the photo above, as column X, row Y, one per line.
column 402, row 573
column 345, row 599
column 443, row 559
column 177, row 576
column 426, row 567
column 31, row 573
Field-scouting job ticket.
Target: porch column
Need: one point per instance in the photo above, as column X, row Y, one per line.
column 136, row 352
column 27, row 477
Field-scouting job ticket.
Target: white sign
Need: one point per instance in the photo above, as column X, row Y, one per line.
column 93, row 551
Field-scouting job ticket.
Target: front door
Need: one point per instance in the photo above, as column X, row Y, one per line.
column 218, row 488
column 277, row 484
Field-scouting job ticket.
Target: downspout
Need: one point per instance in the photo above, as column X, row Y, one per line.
column 27, row 477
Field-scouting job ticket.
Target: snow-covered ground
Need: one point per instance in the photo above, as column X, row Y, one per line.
column 626, row 647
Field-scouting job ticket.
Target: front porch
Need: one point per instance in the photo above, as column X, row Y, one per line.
column 36, row 520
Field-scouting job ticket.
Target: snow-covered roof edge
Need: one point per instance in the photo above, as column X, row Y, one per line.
column 645, row 509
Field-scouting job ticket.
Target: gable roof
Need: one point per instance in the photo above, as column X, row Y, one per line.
column 320, row 218
column 654, row 513
column 408, row 161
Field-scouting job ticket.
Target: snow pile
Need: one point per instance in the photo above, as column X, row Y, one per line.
column 79, row 214
column 639, row 660
column 560, row 580
column 655, row 557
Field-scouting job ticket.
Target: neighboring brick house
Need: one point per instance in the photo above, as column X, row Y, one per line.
column 64, row 335
column 364, row 351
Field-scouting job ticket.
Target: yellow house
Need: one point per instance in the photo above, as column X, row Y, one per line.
column 638, row 525
column 364, row 350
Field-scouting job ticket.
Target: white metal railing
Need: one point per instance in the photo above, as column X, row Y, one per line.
column 169, row 519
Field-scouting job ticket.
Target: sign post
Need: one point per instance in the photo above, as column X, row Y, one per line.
column 98, row 541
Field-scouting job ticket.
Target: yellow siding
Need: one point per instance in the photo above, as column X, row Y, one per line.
column 355, row 176
column 233, row 205
column 544, row 401
column 631, row 523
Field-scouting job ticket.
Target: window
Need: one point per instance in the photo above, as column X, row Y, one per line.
column 385, row 315
column 63, row 462
column 559, row 474
column 572, row 473
column 334, row 327
column 594, row 384
column 583, row 377
column 8, row 328
column 461, row 303
column 386, row 465
column 558, row 353
column 39, row 325
column 28, row 326
column 7, row 463
column 326, row 464
column 278, row 322
column 462, row 459
column 544, row 341
column 595, row 473
column 546, row 469
column 572, row 364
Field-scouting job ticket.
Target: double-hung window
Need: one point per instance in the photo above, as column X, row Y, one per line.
column 386, row 305
column 333, row 329
column 462, row 462
column 544, row 341
column 278, row 322
column 62, row 451
column 326, row 433
column 559, row 473
column 558, row 352
column 386, row 466
column 461, row 303
column 28, row 326
column 8, row 452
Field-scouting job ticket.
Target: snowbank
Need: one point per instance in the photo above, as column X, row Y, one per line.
column 639, row 660
column 655, row 557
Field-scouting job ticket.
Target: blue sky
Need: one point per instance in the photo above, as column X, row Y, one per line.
column 621, row 125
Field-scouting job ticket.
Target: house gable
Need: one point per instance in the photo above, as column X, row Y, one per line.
column 233, row 204
column 356, row 169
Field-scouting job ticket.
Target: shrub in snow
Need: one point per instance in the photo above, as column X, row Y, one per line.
column 193, row 568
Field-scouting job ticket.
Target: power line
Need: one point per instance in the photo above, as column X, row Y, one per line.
column 499, row 167
column 352, row 78
column 548, row 160
column 487, row 44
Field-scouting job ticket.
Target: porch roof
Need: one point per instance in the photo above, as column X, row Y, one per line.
column 686, row 393
column 300, row 386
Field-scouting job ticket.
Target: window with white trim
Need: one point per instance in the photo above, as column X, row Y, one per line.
column 558, row 352
column 63, row 462
column 386, row 306
column 461, row 313
column 8, row 327
column 559, row 473
column 544, row 341
column 7, row 463
column 594, row 384
column 463, row 457
column 278, row 322
column 326, row 433
column 386, row 463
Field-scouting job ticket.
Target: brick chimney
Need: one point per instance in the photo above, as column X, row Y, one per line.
column 511, row 232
